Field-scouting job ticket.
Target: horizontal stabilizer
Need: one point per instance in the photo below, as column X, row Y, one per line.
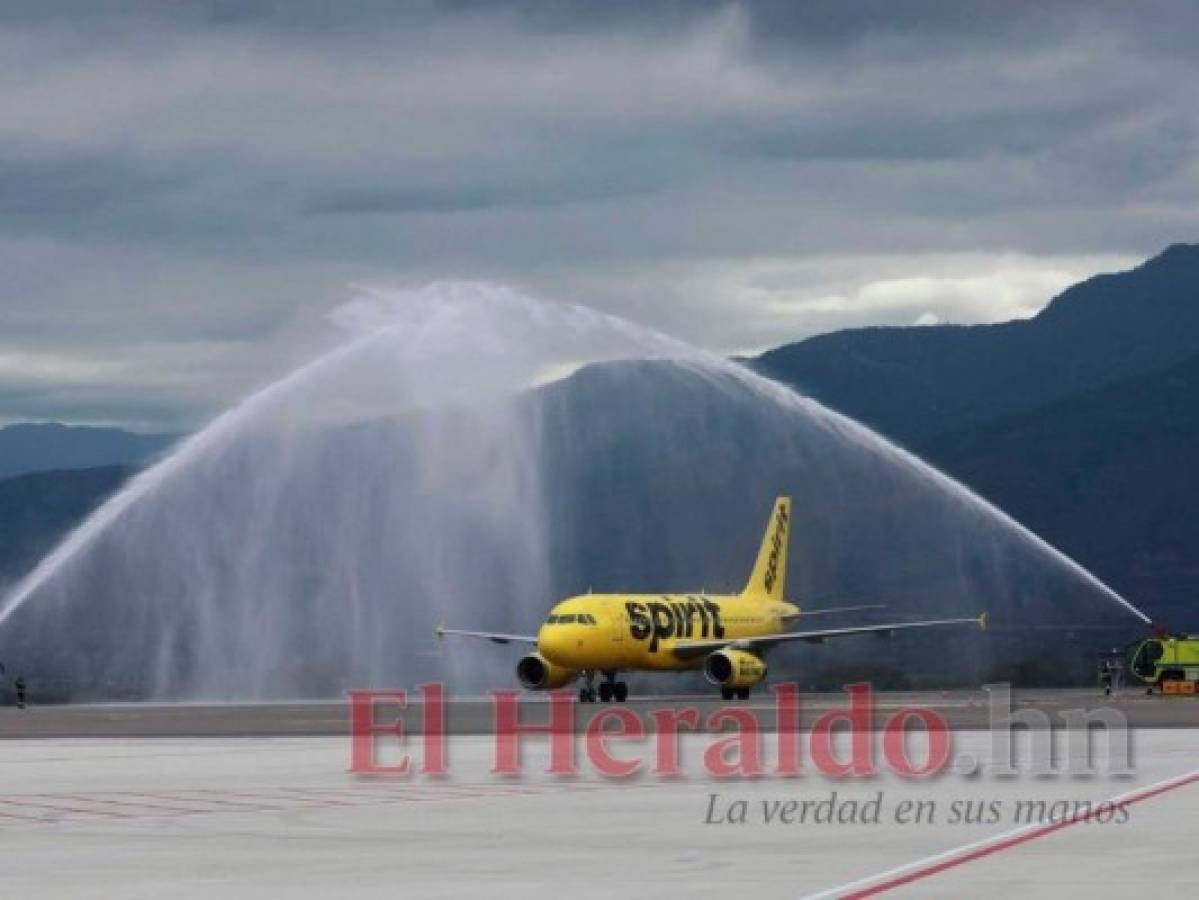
column 493, row 636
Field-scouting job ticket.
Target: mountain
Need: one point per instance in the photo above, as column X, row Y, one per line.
column 909, row 383
column 1107, row 475
column 42, row 447
column 39, row 508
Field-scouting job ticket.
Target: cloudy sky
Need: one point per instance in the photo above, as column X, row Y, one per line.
column 187, row 189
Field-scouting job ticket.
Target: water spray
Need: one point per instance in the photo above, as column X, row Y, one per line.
column 303, row 536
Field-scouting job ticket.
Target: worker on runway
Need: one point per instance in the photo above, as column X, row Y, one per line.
column 19, row 687
column 1105, row 676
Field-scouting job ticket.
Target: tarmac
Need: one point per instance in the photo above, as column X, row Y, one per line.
column 961, row 710
column 242, row 801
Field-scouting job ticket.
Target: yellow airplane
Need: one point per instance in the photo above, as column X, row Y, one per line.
column 727, row 636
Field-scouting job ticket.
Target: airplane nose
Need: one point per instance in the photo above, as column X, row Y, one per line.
column 556, row 644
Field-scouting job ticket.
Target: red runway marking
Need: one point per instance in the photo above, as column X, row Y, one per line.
column 139, row 804
column 19, row 817
column 453, row 792
column 195, row 801
column 990, row 846
column 305, row 797
column 253, row 796
column 67, row 809
column 211, row 801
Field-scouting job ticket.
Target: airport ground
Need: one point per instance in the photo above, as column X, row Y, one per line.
column 200, row 801
column 961, row 709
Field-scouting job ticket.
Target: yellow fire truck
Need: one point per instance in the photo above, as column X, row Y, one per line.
column 1169, row 662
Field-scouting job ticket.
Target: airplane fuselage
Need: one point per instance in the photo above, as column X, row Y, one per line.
column 726, row 635
column 609, row 632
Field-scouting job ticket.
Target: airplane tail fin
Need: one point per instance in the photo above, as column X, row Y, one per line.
column 770, row 570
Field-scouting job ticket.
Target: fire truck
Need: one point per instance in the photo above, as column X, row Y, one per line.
column 1168, row 662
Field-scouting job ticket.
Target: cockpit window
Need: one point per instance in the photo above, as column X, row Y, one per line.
column 571, row 619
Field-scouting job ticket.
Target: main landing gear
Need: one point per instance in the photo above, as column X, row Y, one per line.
column 610, row 689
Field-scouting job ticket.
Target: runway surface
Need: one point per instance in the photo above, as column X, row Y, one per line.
column 256, row 801
column 281, row 817
column 962, row 710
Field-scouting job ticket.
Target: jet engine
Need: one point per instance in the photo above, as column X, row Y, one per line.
column 537, row 673
column 730, row 668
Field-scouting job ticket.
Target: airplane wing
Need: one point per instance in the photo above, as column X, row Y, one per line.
column 492, row 636
column 692, row 649
column 831, row 609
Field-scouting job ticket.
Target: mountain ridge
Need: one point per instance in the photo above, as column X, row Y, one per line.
column 27, row 447
column 909, row 382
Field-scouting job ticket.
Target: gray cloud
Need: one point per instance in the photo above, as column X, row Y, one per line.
column 45, row 185
column 182, row 183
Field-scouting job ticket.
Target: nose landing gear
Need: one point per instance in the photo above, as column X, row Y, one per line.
column 587, row 691
column 609, row 689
